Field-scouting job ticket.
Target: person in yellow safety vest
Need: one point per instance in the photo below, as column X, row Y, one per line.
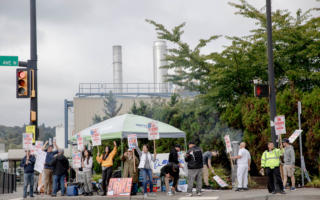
column 270, row 161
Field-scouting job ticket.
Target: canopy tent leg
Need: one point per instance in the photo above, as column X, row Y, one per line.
column 121, row 155
column 185, row 143
column 70, row 156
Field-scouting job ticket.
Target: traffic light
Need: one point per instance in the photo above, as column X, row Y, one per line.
column 23, row 83
column 261, row 90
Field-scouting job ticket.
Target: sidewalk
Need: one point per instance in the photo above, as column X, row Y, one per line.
column 258, row 194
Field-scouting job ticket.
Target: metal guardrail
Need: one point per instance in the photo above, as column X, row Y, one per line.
column 126, row 89
column 7, row 182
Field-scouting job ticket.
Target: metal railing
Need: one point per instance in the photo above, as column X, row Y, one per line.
column 126, row 89
column 7, row 182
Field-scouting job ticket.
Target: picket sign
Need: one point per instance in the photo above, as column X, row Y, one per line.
column 132, row 140
column 38, row 147
column 80, row 141
column 76, row 160
column 229, row 148
column 95, row 137
column 280, row 125
column 153, row 131
column 27, row 140
column 295, row 135
column 221, row 182
column 41, row 158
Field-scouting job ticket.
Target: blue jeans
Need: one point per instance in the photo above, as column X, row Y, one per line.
column 57, row 179
column 28, row 179
column 146, row 172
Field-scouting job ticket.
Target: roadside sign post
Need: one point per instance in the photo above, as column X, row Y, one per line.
column 301, row 155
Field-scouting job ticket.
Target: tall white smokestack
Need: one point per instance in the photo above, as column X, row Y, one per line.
column 117, row 68
column 159, row 51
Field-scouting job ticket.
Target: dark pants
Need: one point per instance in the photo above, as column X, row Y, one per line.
column 276, row 172
column 106, row 175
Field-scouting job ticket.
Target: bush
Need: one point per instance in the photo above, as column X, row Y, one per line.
column 297, row 176
column 315, row 182
column 223, row 174
column 96, row 177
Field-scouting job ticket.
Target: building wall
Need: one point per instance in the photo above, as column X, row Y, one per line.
column 85, row 108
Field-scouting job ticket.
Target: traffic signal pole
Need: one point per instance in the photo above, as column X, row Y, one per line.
column 32, row 64
column 272, row 98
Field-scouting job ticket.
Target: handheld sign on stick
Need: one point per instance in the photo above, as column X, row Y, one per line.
column 229, row 148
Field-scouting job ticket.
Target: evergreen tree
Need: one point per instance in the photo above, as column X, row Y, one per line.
column 110, row 106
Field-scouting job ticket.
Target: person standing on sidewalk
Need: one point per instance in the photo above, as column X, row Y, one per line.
column 146, row 168
column 130, row 160
column 106, row 161
column 28, row 166
column 87, row 175
column 270, row 161
column 174, row 158
column 289, row 160
column 244, row 161
column 207, row 164
column 48, row 170
column 170, row 171
column 60, row 166
column 195, row 164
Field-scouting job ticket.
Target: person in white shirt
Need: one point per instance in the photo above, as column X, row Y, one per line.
column 244, row 161
column 87, row 166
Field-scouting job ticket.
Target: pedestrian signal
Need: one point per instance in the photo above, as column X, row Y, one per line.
column 23, row 83
column 261, row 90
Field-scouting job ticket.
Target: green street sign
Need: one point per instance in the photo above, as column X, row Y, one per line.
column 9, row 61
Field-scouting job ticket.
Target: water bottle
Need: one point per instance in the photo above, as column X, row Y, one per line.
column 262, row 172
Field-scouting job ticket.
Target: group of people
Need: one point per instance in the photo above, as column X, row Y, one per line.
column 56, row 168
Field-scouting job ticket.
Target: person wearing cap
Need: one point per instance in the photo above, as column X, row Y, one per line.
column 207, row 164
column 170, row 171
column 60, row 165
column 130, row 160
column 195, row 164
column 270, row 161
column 27, row 163
column 48, row 170
column 289, row 160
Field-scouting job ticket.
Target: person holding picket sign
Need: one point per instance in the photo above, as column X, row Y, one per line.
column 130, row 169
column 146, row 167
column 106, row 161
column 87, row 175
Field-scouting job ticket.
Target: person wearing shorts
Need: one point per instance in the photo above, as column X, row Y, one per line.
column 288, row 168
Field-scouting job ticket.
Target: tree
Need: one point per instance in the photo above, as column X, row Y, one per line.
column 96, row 119
column 110, row 106
column 223, row 78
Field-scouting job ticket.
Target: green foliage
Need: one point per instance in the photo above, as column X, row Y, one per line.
column 223, row 78
column 315, row 182
column 110, row 106
column 96, row 177
column 223, row 173
column 297, row 176
column 252, row 116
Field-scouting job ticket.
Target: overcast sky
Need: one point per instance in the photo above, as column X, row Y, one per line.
column 75, row 39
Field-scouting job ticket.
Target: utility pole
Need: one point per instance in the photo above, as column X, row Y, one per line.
column 32, row 64
column 272, row 98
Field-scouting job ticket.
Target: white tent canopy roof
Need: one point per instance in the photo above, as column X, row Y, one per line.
column 127, row 124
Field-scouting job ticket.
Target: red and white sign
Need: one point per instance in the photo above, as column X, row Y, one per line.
column 220, row 181
column 132, row 139
column 280, row 125
column 32, row 150
column 153, row 131
column 38, row 147
column 27, row 140
column 294, row 136
column 95, row 137
column 80, row 141
column 76, row 160
column 228, row 143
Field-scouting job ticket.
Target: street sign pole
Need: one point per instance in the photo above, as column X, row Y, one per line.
column 32, row 64
column 301, row 155
column 272, row 99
